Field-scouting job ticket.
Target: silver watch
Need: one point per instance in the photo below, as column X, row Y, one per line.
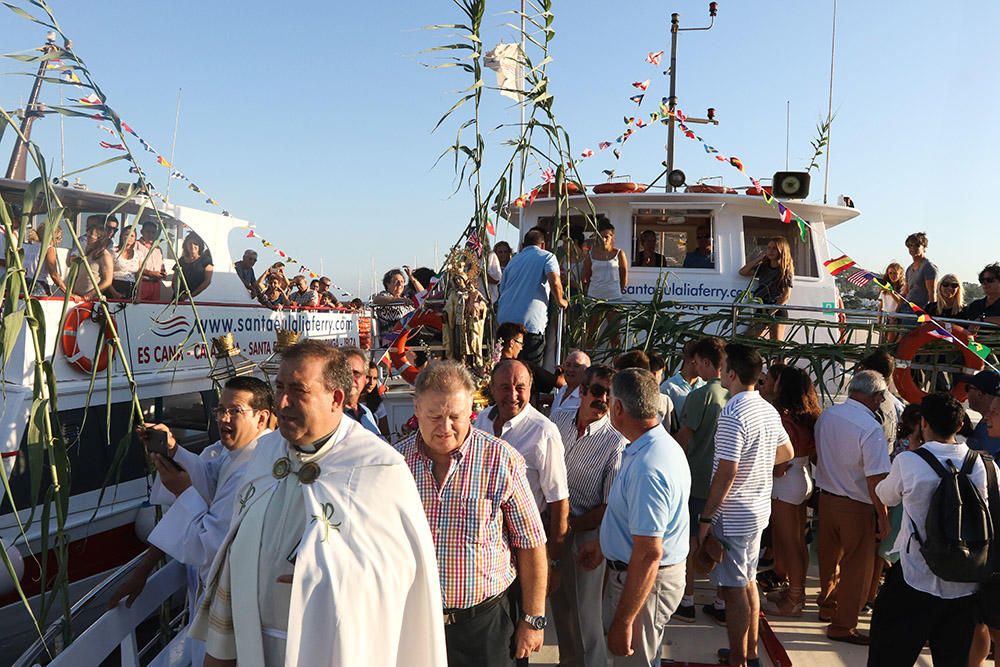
column 537, row 622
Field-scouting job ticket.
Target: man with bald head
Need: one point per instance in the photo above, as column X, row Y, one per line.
column 486, row 527
column 567, row 399
column 514, row 420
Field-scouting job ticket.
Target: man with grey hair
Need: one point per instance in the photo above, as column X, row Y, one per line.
column 357, row 359
column 326, row 515
column 567, row 399
column 645, row 530
column 852, row 458
column 485, row 523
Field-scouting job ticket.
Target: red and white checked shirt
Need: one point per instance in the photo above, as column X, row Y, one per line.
column 482, row 512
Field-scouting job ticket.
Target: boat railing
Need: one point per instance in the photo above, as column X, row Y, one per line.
column 116, row 628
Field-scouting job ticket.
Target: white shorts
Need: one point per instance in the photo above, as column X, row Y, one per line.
column 796, row 485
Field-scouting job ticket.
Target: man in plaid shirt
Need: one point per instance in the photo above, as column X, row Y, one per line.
column 484, row 521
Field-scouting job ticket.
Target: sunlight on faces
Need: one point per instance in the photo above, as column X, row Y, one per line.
column 371, row 381
column 359, row 374
column 444, row 419
column 575, row 367
column 992, row 418
column 396, row 284
column 307, row 410
column 239, row 424
column 511, row 389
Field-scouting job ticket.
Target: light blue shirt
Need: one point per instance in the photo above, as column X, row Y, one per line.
column 677, row 388
column 649, row 498
column 524, row 289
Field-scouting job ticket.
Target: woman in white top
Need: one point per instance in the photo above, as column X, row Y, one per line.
column 42, row 267
column 127, row 263
column 887, row 300
column 605, row 269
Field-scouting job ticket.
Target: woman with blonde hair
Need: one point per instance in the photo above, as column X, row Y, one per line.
column 774, row 270
column 888, row 302
column 949, row 297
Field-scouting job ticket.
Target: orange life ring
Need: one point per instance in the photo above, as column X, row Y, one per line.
column 911, row 344
column 397, row 353
column 605, row 188
column 569, row 187
column 71, row 346
column 713, row 189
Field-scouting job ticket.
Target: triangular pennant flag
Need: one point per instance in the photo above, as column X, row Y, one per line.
column 637, row 99
column 784, row 214
column 802, row 227
column 618, row 154
column 837, row 265
column 117, row 147
column 711, row 149
column 639, row 123
column 587, row 153
column 653, row 117
column 641, row 85
column 768, row 199
column 736, row 162
column 603, row 145
column 162, row 161
column 250, row 234
column 628, row 119
column 490, row 229
column 942, row 334
column 91, row 99
column 921, row 314
column 654, row 58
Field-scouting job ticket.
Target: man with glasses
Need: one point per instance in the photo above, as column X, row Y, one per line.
column 329, row 559
column 986, row 309
column 201, row 492
column 326, row 297
column 852, row 458
column 111, row 227
column 151, row 261
column 354, row 408
column 593, row 450
column 701, row 256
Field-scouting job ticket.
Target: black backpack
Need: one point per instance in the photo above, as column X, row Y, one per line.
column 958, row 542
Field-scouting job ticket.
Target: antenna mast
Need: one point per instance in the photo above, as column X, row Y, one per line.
column 17, row 167
column 829, row 107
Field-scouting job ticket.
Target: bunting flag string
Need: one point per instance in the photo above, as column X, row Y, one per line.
column 288, row 259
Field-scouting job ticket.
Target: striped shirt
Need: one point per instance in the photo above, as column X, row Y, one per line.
column 482, row 512
column 748, row 433
column 592, row 460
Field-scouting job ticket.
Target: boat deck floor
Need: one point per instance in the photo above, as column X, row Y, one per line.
column 804, row 638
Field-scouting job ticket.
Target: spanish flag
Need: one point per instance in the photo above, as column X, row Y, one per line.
column 838, row 265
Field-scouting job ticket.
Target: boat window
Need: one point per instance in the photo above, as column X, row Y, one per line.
column 573, row 247
column 675, row 238
column 758, row 231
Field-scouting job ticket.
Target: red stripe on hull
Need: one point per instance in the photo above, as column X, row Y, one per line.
column 87, row 557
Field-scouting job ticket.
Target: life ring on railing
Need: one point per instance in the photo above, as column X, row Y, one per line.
column 910, row 346
column 71, row 346
column 713, row 189
column 569, row 188
column 605, row 188
column 397, row 353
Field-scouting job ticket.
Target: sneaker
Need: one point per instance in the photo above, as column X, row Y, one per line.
column 769, row 580
column 685, row 613
column 717, row 615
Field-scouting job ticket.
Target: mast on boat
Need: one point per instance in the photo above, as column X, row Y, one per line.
column 17, row 167
column 675, row 29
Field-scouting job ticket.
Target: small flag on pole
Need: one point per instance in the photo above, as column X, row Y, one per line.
column 838, row 265
column 979, row 349
column 860, row 278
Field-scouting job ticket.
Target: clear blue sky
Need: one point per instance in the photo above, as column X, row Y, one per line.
column 313, row 120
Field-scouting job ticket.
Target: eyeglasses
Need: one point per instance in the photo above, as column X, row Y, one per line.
column 232, row 413
column 988, row 280
column 519, row 341
column 949, row 285
column 595, row 390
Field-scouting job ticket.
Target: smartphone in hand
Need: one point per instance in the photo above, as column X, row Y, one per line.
column 156, row 443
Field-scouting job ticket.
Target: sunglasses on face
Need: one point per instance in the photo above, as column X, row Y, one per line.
column 988, row 280
column 949, row 285
column 596, row 390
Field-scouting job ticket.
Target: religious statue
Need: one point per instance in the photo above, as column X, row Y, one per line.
column 465, row 310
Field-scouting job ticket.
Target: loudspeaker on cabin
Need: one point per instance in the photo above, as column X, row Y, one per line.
column 791, row 184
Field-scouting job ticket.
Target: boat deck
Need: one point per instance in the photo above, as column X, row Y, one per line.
column 804, row 638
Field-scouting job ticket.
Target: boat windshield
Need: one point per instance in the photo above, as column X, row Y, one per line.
column 674, row 238
column 758, row 231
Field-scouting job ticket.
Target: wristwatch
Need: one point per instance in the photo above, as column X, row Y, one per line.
column 537, row 622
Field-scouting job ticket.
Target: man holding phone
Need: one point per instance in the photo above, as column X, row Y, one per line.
column 200, row 490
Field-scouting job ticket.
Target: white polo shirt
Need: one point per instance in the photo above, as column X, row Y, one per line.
column 850, row 446
column 912, row 482
column 565, row 402
column 538, row 441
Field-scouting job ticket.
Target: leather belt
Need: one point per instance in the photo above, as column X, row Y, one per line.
column 619, row 566
column 452, row 616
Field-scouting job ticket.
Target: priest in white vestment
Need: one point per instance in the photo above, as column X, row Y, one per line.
column 329, row 559
column 199, row 499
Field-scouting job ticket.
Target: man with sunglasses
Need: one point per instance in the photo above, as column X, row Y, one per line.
column 593, row 456
column 701, row 256
column 986, row 309
column 200, row 494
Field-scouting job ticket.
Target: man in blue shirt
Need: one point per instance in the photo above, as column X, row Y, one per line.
column 645, row 530
column 524, row 293
column 984, row 386
column 701, row 256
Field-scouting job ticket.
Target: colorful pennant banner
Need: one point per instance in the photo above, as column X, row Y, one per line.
column 251, row 234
